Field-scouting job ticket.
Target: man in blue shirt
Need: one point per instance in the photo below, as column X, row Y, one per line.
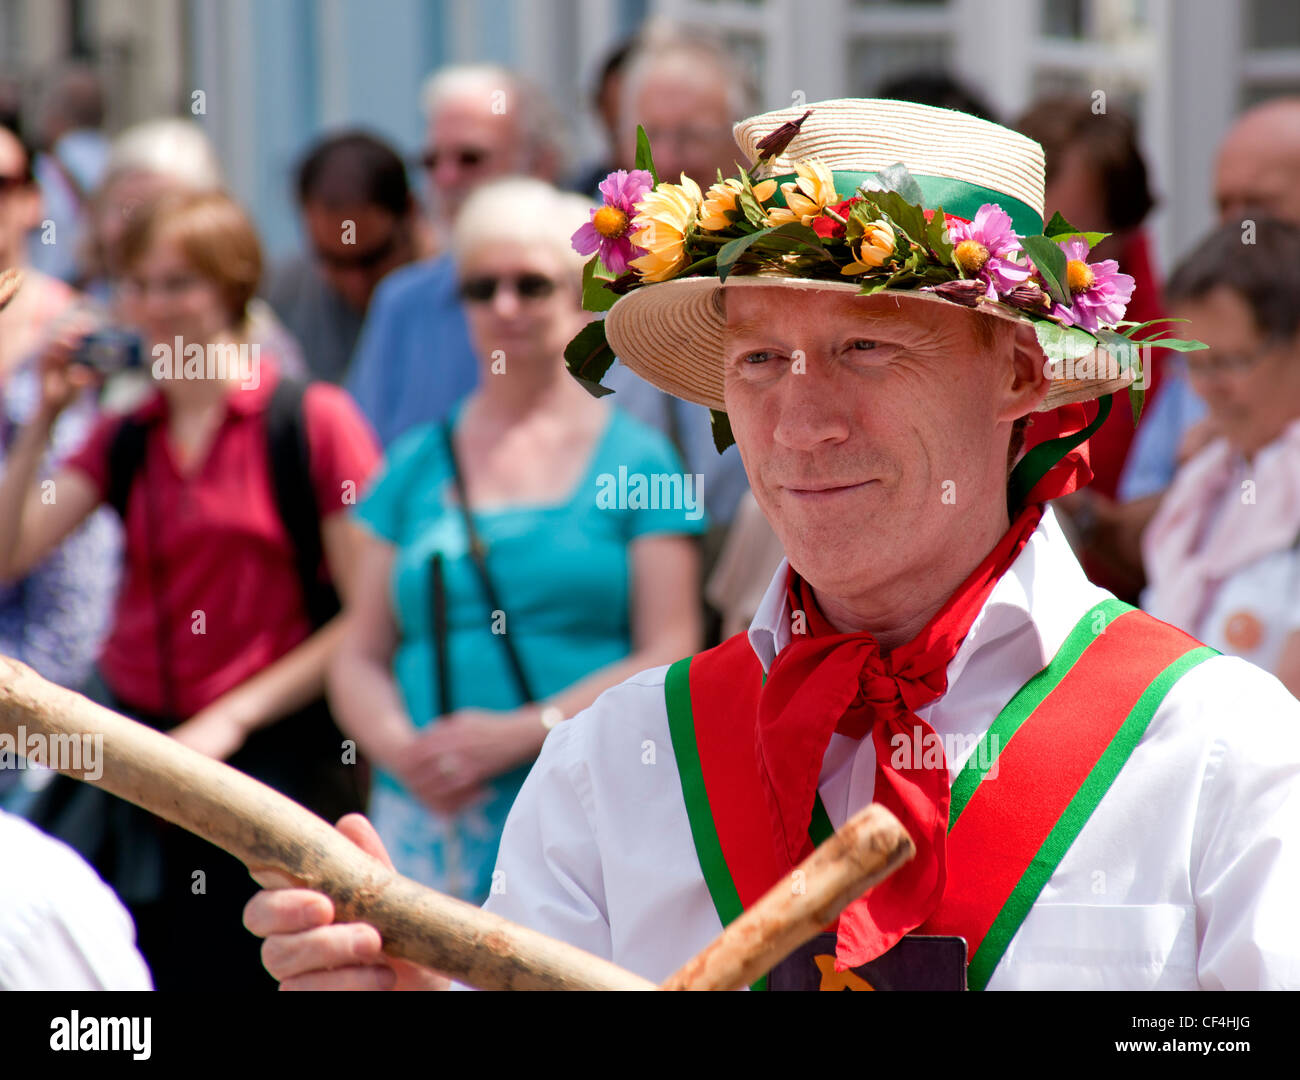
column 413, row 361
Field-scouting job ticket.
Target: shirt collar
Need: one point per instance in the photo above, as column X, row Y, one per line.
column 1045, row 588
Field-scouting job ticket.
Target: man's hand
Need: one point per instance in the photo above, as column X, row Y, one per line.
column 306, row 950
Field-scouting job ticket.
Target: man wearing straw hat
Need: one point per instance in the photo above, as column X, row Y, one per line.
column 1096, row 800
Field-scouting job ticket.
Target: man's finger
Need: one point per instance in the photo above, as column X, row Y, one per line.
column 353, row 978
column 287, row 911
column 324, row 949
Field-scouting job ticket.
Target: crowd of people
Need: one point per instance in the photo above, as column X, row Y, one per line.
column 380, row 529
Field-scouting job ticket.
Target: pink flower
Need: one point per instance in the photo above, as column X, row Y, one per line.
column 985, row 249
column 610, row 228
column 1099, row 293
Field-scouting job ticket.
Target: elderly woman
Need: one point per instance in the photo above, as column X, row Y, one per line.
column 1223, row 552
column 505, row 582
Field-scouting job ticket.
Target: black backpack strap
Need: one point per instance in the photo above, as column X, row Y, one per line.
column 289, row 457
column 125, row 456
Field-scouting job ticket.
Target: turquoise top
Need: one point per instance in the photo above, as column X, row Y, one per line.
column 561, row 571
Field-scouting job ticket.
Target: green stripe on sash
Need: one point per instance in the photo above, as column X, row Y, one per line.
column 1027, row 699
column 681, row 727
column 1075, row 816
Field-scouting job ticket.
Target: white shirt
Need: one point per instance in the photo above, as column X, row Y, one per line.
column 61, row 927
column 1185, row 876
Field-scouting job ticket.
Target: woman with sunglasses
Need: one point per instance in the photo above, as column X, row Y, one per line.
column 504, row 583
column 1222, row 553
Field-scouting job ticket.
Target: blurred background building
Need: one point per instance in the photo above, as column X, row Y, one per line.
column 266, row 76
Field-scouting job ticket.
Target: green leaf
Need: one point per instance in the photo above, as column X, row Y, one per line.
column 1063, row 342
column 1060, row 229
column 1050, row 262
column 934, row 235
column 896, row 178
column 595, row 276
column 588, row 356
column 734, row 249
column 721, row 424
column 785, row 237
column 1131, row 328
column 643, row 158
column 1177, row 344
column 751, row 209
column 902, row 215
column 1136, row 398
column 1126, row 351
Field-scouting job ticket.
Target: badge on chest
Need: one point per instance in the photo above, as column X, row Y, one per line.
column 917, row 962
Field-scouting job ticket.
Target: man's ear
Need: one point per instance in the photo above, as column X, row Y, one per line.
column 1030, row 379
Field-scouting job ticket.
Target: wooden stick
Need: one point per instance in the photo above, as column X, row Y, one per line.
column 265, row 830
column 864, row 851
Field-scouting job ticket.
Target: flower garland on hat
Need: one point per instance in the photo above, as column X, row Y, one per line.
column 649, row 231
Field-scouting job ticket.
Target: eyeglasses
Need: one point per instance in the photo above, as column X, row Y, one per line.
column 467, row 157
column 481, row 290
column 172, row 285
column 1205, row 363
column 361, row 260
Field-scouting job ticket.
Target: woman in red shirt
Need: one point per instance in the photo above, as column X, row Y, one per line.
column 213, row 639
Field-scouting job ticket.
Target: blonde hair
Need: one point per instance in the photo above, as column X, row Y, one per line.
column 524, row 212
column 215, row 235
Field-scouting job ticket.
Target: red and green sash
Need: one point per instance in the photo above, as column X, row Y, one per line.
column 1058, row 745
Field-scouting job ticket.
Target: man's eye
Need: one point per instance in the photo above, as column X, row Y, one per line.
column 757, row 357
column 862, row 344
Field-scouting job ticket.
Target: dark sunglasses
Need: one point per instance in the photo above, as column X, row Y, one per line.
column 466, row 157
column 480, row 290
column 361, row 260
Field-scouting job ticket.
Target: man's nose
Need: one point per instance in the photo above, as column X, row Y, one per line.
column 505, row 301
column 812, row 409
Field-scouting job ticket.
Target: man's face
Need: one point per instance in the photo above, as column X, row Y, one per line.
column 355, row 246
column 688, row 121
column 1251, row 385
column 869, row 432
column 1256, row 169
column 468, row 144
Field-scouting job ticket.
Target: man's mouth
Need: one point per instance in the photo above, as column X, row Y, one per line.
column 811, row 490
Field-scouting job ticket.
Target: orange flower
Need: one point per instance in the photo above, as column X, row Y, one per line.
column 664, row 216
column 722, row 199
column 806, row 197
column 872, row 249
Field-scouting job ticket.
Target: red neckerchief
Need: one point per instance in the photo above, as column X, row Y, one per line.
column 825, row 681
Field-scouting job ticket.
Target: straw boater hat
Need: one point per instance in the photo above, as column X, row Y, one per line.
column 669, row 329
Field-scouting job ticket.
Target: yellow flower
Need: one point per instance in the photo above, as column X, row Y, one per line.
column 721, row 198
column 806, row 197
column 872, row 249
column 663, row 217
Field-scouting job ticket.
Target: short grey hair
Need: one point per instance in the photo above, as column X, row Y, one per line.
column 666, row 46
column 525, row 212
column 176, row 149
column 540, row 125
